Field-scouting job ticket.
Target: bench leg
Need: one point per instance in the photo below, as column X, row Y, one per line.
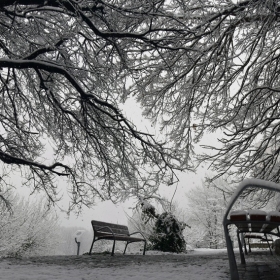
column 144, row 250
column 125, row 247
column 231, row 257
column 91, row 246
column 145, row 243
column 113, row 249
column 268, row 245
column 245, row 246
column 240, row 248
column 250, row 249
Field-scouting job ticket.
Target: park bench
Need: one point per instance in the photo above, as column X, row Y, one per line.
column 255, row 222
column 264, row 241
column 114, row 232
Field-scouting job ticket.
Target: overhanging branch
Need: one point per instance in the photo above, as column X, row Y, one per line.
column 6, row 158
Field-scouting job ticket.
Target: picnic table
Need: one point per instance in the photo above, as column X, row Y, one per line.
column 253, row 221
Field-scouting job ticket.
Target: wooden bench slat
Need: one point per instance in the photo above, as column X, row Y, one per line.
column 120, row 238
column 259, row 216
column 237, row 216
column 255, row 220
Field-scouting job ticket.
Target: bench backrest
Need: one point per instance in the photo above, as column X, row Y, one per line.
column 104, row 227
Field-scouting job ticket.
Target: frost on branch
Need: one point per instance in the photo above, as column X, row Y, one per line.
column 194, row 66
column 65, row 70
column 28, row 229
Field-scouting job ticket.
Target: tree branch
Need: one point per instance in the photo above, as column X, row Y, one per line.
column 19, row 161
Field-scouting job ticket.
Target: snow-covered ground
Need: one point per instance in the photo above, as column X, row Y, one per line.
column 196, row 265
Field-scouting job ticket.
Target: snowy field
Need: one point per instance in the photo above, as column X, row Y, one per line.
column 200, row 264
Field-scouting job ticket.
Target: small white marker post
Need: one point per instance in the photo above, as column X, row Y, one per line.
column 78, row 236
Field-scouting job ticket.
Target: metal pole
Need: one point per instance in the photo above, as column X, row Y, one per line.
column 78, row 244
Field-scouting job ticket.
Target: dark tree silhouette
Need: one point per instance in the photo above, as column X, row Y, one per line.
column 194, row 66
column 65, row 68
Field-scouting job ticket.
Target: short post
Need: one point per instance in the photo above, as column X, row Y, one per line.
column 78, row 243
column 78, row 236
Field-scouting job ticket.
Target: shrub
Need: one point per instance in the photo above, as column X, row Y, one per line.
column 167, row 235
column 28, row 229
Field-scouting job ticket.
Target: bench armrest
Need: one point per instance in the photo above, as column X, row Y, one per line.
column 248, row 183
column 136, row 233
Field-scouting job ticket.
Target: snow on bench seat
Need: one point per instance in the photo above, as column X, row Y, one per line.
column 256, row 220
column 273, row 216
column 258, row 216
column 237, row 216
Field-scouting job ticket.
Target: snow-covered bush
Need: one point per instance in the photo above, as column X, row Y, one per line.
column 206, row 206
column 168, row 234
column 28, row 228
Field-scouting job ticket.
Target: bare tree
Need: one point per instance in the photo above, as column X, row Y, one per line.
column 220, row 72
column 195, row 66
column 66, row 66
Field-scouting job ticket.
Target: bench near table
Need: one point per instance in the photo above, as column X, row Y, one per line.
column 264, row 241
column 249, row 221
column 114, row 232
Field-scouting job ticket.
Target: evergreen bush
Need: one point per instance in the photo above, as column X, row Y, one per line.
column 168, row 234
